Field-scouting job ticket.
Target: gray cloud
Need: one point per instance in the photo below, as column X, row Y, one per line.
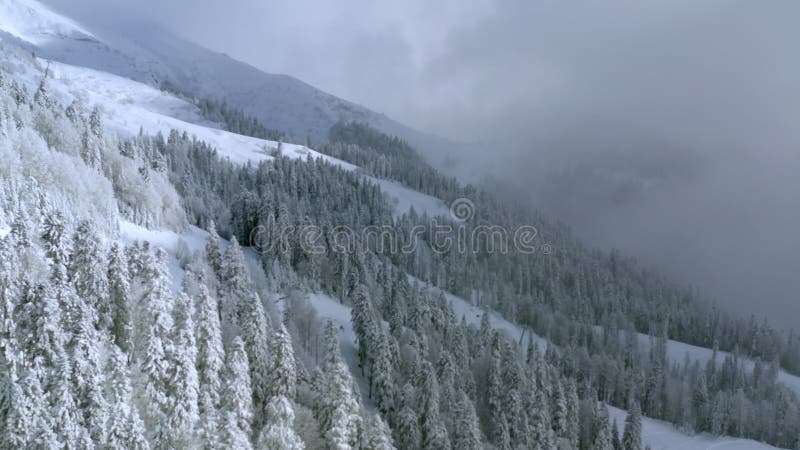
column 664, row 128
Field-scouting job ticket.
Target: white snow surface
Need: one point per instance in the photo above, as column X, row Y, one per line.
column 404, row 198
column 132, row 106
column 660, row 435
column 677, row 351
column 33, row 22
column 656, row 434
column 4, row 230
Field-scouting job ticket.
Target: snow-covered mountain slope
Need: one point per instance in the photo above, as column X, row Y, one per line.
column 678, row 351
column 150, row 54
column 132, row 106
column 29, row 21
column 658, row 435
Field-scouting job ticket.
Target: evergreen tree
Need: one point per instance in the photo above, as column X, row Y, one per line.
column 279, row 418
column 119, row 289
column 406, row 422
column 382, row 376
column 27, row 422
column 603, row 440
column 234, row 286
column 86, row 271
column 255, row 332
column 185, row 385
column 124, row 428
column 209, row 428
column 233, row 436
column 573, row 425
column 432, row 430
column 213, row 253
column 364, row 327
column 210, row 353
column 278, row 433
column 559, row 410
column 376, row 434
column 466, row 432
column 39, row 333
column 88, row 377
column 154, row 359
column 632, row 436
column 57, row 245
column 283, row 370
column 497, row 419
column 336, row 402
column 64, row 412
column 237, row 399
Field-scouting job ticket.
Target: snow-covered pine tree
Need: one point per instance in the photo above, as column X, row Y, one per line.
column 85, row 346
column 237, row 399
column 154, row 356
column 118, row 290
column 255, row 335
column 603, row 439
column 208, row 431
column 232, row 435
column 234, row 287
column 542, row 432
column 40, row 335
column 466, row 432
column 498, row 425
column 383, row 390
column 210, row 352
column 432, row 431
column 376, row 435
column 57, row 244
column 632, row 436
column 124, row 428
column 213, row 252
column 278, row 431
column 406, row 421
column 283, row 370
column 559, row 409
column 86, row 272
column 67, row 419
column 27, row 420
column 185, row 385
column 572, row 432
column 337, row 406
column 362, row 317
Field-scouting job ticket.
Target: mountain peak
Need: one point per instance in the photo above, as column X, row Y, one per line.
column 34, row 23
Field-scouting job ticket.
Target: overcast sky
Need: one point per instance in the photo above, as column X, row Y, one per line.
column 707, row 91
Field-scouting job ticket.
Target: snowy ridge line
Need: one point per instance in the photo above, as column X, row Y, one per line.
column 132, row 106
column 34, row 23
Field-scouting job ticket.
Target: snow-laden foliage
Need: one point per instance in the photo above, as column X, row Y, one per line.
column 107, row 345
